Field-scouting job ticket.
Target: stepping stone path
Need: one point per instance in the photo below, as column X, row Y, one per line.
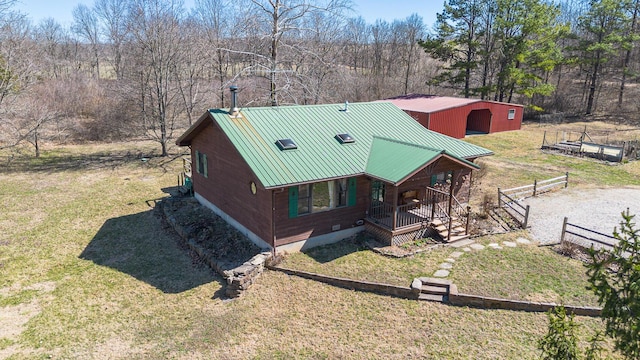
column 441, row 273
column 469, row 245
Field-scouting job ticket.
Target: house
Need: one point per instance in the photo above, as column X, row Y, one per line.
column 458, row 117
column 294, row 177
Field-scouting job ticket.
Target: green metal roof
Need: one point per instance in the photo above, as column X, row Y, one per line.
column 392, row 160
column 378, row 128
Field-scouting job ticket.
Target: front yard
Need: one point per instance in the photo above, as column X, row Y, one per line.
column 522, row 273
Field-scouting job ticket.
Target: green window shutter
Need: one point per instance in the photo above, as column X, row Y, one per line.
column 351, row 192
column 205, row 165
column 293, row 202
column 198, row 161
column 434, row 179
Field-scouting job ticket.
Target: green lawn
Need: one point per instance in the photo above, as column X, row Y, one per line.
column 88, row 272
column 347, row 259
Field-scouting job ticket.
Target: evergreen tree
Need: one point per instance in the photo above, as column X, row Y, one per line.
column 560, row 341
column 614, row 276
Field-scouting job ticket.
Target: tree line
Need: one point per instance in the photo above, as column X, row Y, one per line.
column 145, row 68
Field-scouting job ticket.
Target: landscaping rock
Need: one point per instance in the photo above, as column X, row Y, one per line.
column 509, row 244
column 441, row 273
column 476, row 246
column 456, row 254
column 446, row 266
column 523, row 241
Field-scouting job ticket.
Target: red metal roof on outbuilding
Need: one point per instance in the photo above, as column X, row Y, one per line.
column 428, row 103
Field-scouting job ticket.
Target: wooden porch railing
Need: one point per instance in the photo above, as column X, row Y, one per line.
column 435, row 205
column 442, row 201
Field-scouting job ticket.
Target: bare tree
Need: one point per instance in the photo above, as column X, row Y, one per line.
column 285, row 17
column 411, row 30
column 85, row 25
column 112, row 14
column 155, row 27
column 49, row 36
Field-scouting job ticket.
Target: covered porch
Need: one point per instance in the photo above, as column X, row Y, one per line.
column 413, row 192
column 435, row 214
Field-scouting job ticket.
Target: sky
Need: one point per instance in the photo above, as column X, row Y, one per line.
column 370, row 10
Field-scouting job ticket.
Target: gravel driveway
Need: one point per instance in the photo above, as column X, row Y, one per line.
column 595, row 209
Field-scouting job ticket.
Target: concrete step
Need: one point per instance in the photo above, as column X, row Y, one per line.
column 431, row 297
column 434, row 290
column 431, row 281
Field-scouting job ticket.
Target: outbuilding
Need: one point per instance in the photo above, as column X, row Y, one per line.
column 458, row 117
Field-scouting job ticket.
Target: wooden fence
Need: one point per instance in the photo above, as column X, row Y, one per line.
column 537, row 188
column 509, row 199
column 586, row 238
column 516, row 211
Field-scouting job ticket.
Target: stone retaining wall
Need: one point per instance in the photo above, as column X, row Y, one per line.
column 239, row 278
column 385, row 289
column 484, row 302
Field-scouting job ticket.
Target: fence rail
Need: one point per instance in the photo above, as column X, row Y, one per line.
column 538, row 187
column 509, row 199
column 516, row 211
column 589, row 237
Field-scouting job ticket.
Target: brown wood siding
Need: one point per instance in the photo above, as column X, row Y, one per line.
column 289, row 230
column 228, row 183
column 422, row 179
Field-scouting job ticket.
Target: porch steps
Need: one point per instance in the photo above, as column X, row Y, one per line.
column 457, row 230
column 434, row 289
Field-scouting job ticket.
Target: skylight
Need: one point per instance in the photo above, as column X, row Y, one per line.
column 286, row 144
column 345, row 138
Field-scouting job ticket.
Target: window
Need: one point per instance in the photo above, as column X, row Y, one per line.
column 201, row 164
column 377, row 190
column 304, row 197
column 321, row 196
column 286, row 144
column 345, row 138
column 512, row 114
column 441, row 178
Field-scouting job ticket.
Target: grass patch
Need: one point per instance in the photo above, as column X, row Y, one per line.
column 518, row 160
column 121, row 287
column 22, row 297
column 5, row 343
column 349, row 259
column 527, row 272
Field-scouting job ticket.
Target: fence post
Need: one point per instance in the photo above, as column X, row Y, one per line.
column 433, row 206
column 466, row 230
column 535, row 185
column 526, row 218
column 564, row 228
column 566, row 180
column 499, row 199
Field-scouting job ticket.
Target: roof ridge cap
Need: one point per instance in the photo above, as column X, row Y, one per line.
column 406, row 143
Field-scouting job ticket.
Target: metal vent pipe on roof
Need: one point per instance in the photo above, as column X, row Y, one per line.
column 234, row 100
